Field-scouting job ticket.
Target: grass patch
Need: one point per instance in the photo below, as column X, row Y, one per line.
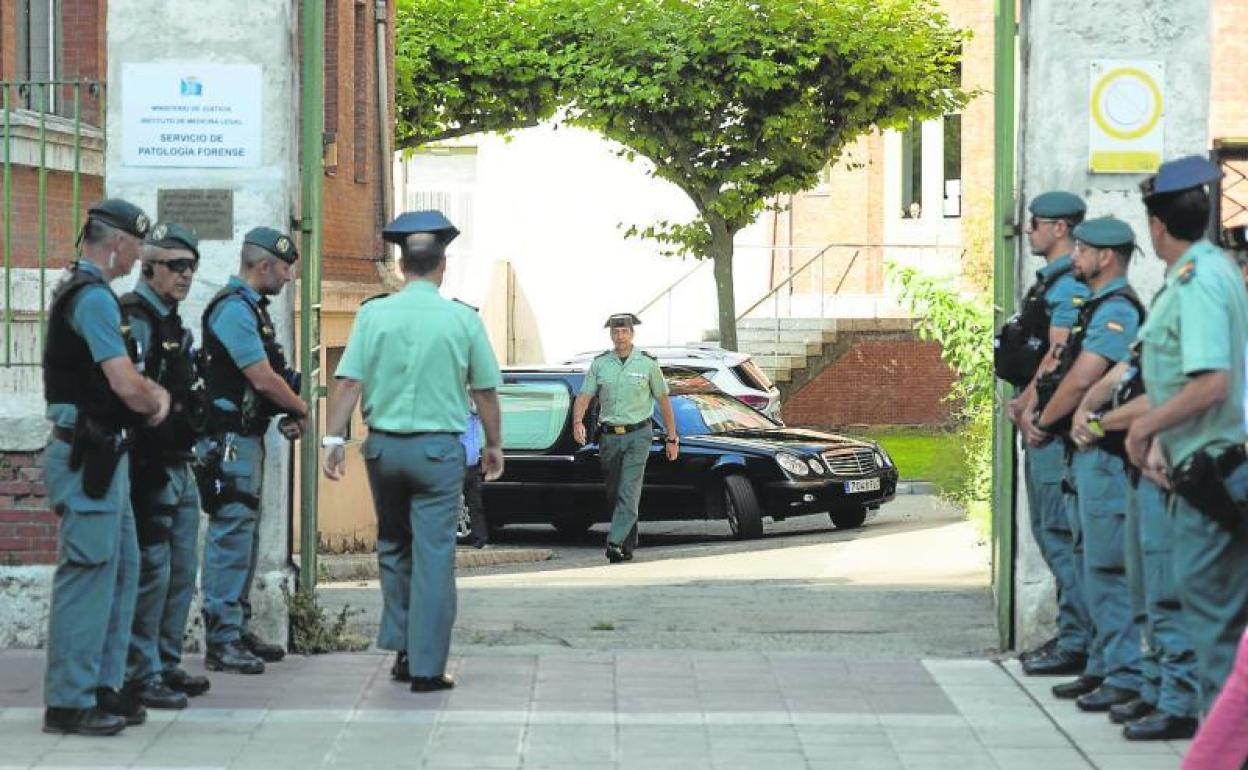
column 312, row 632
column 979, row 512
column 603, row 625
column 925, row 454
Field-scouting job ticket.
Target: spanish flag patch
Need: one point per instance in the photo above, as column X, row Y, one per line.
column 1114, row 326
column 1186, row 272
column 1076, row 301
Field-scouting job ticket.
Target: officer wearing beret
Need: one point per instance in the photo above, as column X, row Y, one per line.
column 1050, row 308
column 96, row 398
column 627, row 382
column 248, row 382
column 1191, row 439
column 1101, row 337
column 162, row 487
column 414, row 357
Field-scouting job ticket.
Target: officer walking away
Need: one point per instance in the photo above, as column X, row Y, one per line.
column 1026, row 349
column 1192, row 437
column 627, row 382
column 1101, row 337
column 162, row 486
column 413, row 357
column 248, row 382
column 96, row 397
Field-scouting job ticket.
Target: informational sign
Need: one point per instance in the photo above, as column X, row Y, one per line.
column 1126, row 126
column 209, row 213
column 190, row 115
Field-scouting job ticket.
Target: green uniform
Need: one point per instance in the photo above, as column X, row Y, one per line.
column 414, row 352
column 626, row 390
column 1198, row 323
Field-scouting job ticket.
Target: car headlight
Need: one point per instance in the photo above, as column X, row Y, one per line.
column 815, row 467
column 882, row 460
column 792, row 464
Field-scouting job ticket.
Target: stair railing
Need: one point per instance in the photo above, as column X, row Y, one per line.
column 820, row 257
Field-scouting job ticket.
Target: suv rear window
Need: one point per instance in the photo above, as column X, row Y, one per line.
column 753, row 377
column 534, row 414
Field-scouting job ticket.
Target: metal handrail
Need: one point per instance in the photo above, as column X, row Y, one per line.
column 788, row 281
column 701, row 263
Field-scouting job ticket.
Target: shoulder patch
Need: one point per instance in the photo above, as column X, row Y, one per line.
column 1076, row 300
column 649, row 355
column 1186, row 272
column 473, row 308
column 375, row 296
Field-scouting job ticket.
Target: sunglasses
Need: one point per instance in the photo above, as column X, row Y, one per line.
column 1037, row 221
column 179, row 266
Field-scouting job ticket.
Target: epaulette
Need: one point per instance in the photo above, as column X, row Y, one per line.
column 375, row 296
column 604, row 353
column 1186, row 272
column 473, row 308
column 649, row 355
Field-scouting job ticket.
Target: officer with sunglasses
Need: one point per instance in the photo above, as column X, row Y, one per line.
column 162, row 486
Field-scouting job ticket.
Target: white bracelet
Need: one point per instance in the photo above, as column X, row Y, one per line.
column 328, row 441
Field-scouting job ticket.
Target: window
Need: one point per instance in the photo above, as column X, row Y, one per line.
column 953, row 166
column 534, row 414
column 39, row 49
column 912, row 171
column 331, row 87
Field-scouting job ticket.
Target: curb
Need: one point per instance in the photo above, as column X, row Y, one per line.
column 916, row 488
column 342, row 568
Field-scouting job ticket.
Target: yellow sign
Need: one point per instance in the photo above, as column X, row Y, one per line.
column 1125, row 127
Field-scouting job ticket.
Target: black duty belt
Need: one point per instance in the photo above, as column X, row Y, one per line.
column 62, row 433
column 413, row 434
column 620, row 430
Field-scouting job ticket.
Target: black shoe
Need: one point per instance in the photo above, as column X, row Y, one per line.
column 270, row 653
column 180, row 680
column 1081, row 686
column 431, row 683
column 1057, row 664
column 614, row 554
column 1104, row 697
column 120, row 704
column 92, row 721
column 156, row 695
column 231, row 657
column 399, row 672
column 1043, row 651
column 1160, row 726
column 1130, row 711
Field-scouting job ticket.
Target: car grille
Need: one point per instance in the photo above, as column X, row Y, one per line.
column 850, row 462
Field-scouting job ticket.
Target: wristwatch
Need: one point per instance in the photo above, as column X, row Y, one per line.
column 672, row 440
column 328, row 441
column 1094, row 425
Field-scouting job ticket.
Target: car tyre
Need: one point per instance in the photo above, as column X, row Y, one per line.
column 741, row 508
column 571, row 527
column 851, row 519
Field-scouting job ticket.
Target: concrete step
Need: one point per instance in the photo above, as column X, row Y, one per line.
column 831, row 324
column 816, row 336
column 764, row 347
column 772, row 361
column 778, row 375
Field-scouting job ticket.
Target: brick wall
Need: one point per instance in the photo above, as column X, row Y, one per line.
column 893, row 382
column 27, row 527
column 83, row 50
column 63, row 222
column 1228, row 115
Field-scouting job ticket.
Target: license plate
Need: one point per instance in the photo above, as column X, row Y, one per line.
column 862, row 485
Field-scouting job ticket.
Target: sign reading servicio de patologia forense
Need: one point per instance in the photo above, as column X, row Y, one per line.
column 190, row 115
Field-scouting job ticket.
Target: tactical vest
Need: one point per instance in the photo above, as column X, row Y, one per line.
column 70, row 374
column 1047, row 385
column 170, row 361
column 1023, row 341
column 224, row 380
column 1126, row 389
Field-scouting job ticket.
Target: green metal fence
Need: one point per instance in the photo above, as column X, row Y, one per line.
column 45, row 136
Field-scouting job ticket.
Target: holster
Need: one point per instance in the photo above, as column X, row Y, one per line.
column 1201, row 481
column 98, row 451
column 154, row 524
column 215, row 488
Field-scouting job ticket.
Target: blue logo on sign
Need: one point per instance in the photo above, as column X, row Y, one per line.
column 192, row 87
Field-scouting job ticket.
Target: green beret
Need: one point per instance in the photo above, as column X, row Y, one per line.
column 123, row 215
column 273, row 241
column 171, row 235
column 1057, row 204
column 1105, row 232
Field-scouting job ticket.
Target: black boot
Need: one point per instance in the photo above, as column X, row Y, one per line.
column 1044, row 650
column 399, row 672
column 431, row 683
column 178, row 679
column 1105, row 697
column 1058, row 663
column 1130, row 711
column 120, row 704
column 270, row 653
column 1160, row 726
column 231, row 657
column 92, row 721
column 614, row 554
column 1081, row 686
column 155, row 694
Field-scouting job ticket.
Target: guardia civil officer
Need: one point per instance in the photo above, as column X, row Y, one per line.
column 627, row 382
column 162, row 486
column 248, row 382
column 1192, row 436
column 1166, row 708
column 414, row 357
column 96, row 397
column 1025, row 350
column 1101, row 337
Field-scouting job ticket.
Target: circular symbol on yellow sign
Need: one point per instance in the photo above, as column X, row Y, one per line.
column 1126, row 103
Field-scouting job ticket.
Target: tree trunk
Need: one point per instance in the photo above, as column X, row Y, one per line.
column 721, row 253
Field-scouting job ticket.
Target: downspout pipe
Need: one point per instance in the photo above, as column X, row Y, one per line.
column 385, row 162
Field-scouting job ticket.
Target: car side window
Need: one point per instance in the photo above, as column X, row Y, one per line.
column 534, row 414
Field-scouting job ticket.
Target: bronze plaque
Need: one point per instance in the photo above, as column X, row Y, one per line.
column 209, row 213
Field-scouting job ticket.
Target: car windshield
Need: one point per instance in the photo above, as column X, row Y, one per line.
column 703, row 413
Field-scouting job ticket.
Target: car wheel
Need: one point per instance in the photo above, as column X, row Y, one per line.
column 741, row 508
column 463, row 524
column 571, row 527
column 851, row 519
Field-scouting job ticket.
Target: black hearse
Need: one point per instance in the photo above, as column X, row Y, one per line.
column 735, row 464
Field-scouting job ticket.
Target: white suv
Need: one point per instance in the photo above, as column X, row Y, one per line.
column 734, row 373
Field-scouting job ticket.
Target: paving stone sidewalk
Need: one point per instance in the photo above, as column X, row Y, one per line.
column 574, row 710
